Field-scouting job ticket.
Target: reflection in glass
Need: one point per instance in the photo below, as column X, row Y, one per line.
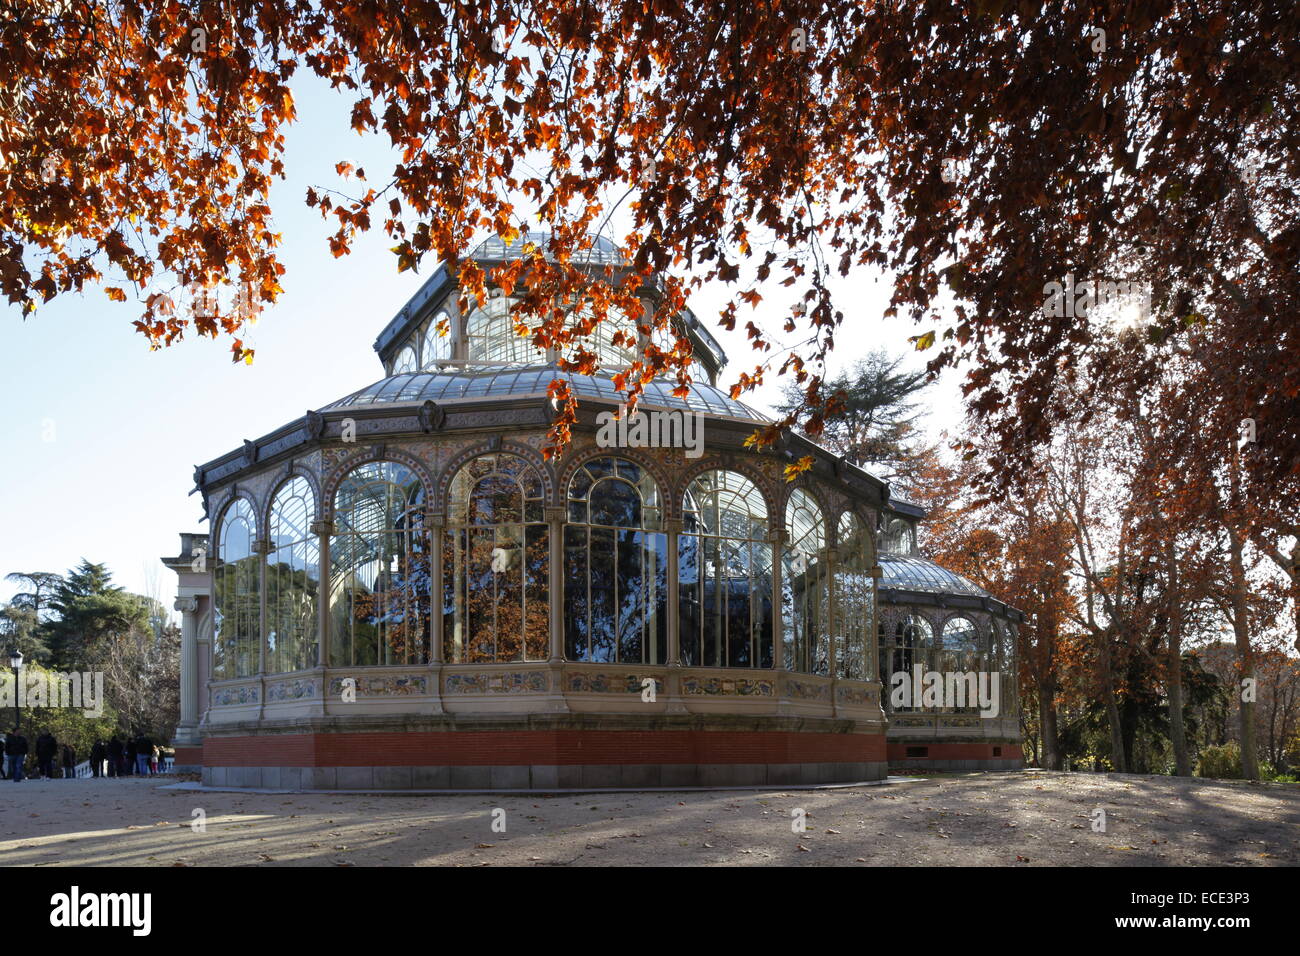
column 379, row 569
column 437, row 347
column 899, row 538
column 855, row 595
column 493, row 338
column 495, row 562
column 725, row 573
column 615, row 566
column 1010, row 680
column 959, row 652
column 292, row 580
column 237, row 599
column 805, row 598
column 909, row 645
column 406, row 361
column 960, row 643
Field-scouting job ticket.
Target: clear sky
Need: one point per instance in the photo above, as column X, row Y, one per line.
column 100, row 435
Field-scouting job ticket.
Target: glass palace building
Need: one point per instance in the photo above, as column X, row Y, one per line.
column 399, row 591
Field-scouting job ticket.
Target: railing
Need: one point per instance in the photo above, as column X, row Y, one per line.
column 83, row 769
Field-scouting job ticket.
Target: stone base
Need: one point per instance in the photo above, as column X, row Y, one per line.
column 541, row 777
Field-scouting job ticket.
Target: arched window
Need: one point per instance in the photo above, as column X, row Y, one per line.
column 492, row 338
column 1008, row 668
column 959, row 652
column 899, row 537
column 805, row 601
column 496, row 604
column 615, row 566
column 600, row 341
column 437, row 347
column 855, row 597
column 379, row 569
column 406, row 361
column 292, row 580
column 910, row 647
column 960, row 646
column 725, row 573
column 237, row 641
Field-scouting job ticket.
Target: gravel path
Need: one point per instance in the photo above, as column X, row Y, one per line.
column 1027, row 819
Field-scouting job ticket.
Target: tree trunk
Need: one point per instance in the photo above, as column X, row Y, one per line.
column 1241, row 631
column 1112, row 708
column 1295, row 588
column 1245, row 658
column 1177, row 733
column 1047, row 721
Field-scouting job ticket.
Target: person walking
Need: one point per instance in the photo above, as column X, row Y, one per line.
column 153, row 759
column 143, row 751
column 15, row 755
column 69, row 763
column 97, row 754
column 128, row 762
column 47, row 748
column 114, row 756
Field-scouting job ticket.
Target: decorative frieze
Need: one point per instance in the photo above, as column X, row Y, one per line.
column 511, row 682
column 806, row 690
column 728, row 686
column 905, row 721
column 583, row 682
column 856, row 696
column 301, row 688
column 233, row 696
column 386, row 685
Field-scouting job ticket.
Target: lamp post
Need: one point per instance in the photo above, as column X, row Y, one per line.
column 16, row 662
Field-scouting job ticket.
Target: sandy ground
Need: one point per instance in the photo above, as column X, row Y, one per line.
column 1024, row 819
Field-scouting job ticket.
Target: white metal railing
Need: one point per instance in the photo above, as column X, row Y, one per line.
column 83, row 769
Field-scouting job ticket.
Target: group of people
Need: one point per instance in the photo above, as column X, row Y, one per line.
column 117, row 758
column 138, row 755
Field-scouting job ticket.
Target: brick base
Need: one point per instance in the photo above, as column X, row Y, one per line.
column 955, row 756
column 188, row 759
column 540, row 759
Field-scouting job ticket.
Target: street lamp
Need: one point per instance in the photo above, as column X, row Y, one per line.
column 16, row 662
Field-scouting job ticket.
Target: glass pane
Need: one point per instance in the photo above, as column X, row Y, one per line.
column 379, row 569
column 496, row 605
column 292, row 580
column 725, row 574
column 237, row 597
column 615, row 587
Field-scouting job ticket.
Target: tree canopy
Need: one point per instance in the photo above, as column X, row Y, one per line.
column 1017, row 169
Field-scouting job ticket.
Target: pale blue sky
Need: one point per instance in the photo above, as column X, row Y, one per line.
column 101, row 435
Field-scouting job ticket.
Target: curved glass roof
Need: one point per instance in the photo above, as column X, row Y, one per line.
column 908, row 573
column 518, row 382
column 602, row 251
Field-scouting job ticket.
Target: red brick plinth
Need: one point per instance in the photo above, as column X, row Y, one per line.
column 540, row 759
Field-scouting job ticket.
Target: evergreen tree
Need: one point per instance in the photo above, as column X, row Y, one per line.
column 41, row 586
column 20, row 630
column 873, row 418
column 89, row 608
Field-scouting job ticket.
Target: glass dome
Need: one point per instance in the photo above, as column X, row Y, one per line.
column 418, row 387
column 907, row 573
